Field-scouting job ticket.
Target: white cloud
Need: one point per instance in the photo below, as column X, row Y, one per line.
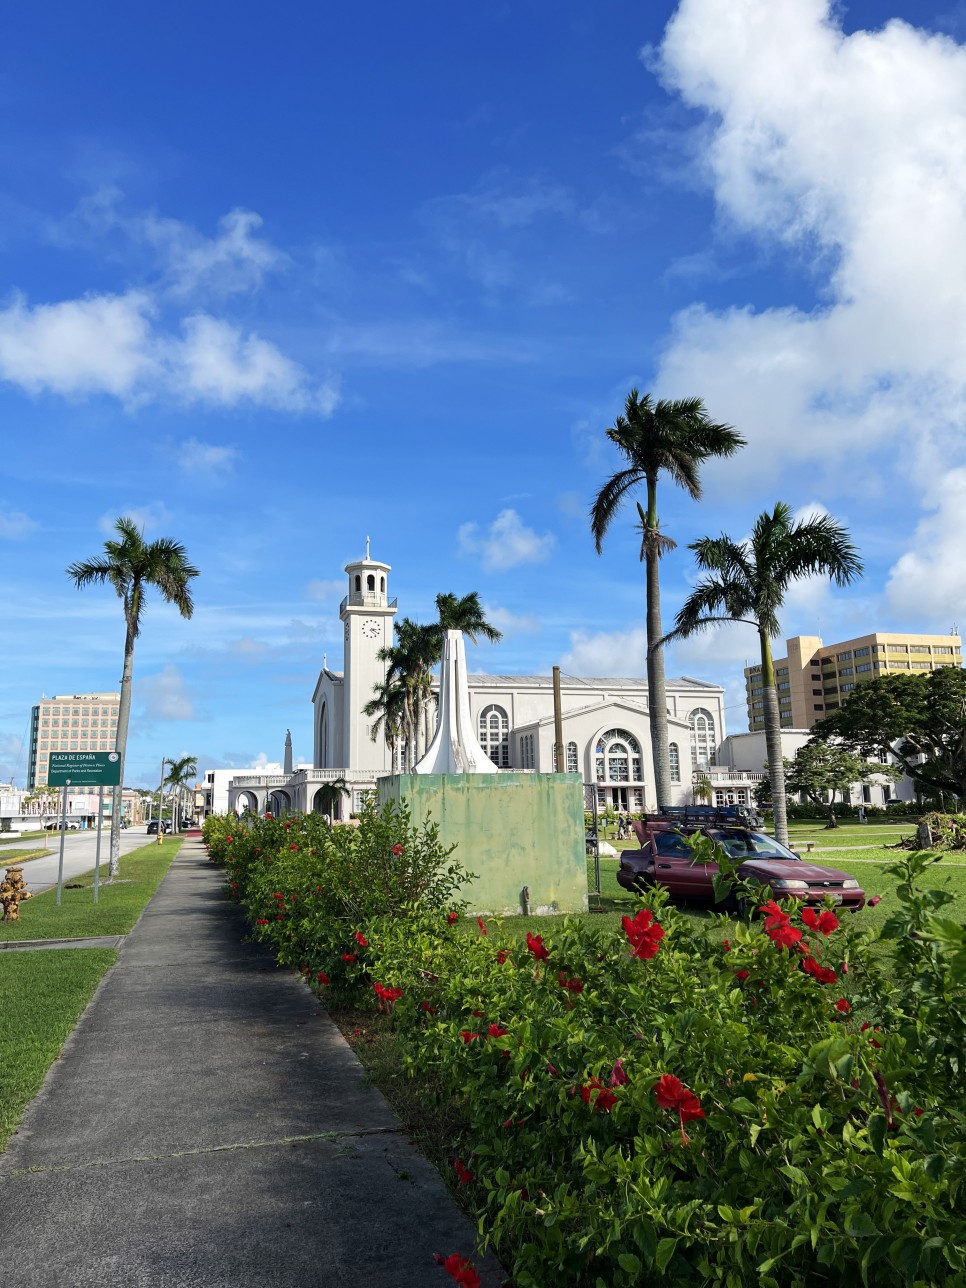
column 850, row 152
column 165, row 695
column 323, row 592
column 110, row 344
column 196, row 457
column 506, row 543
column 597, row 653
column 149, row 517
column 14, row 524
column 930, row 579
column 512, row 623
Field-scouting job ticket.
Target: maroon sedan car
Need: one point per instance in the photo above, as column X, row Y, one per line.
column 665, row 859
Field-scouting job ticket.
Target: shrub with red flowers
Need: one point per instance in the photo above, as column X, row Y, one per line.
column 703, row 1115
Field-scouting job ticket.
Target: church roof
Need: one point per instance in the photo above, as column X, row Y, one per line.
column 586, row 681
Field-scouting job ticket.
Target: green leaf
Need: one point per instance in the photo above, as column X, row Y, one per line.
column 630, row 1264
column 877, row 1127
column 742, row 1105
column 665, row 1251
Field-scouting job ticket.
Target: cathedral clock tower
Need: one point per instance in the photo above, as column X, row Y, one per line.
column 367, row 614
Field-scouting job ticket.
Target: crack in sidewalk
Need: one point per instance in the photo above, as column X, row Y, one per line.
column 43, row 1169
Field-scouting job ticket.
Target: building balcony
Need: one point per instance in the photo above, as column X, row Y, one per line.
column 366, row 599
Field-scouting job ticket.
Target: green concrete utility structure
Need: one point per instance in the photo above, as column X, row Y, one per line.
column 521, row 834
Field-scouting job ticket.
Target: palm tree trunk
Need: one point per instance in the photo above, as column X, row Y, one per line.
column 120, row 746
column 656, row 695
column 773, row 740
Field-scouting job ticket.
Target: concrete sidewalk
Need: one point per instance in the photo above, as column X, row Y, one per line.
column 207, row 1126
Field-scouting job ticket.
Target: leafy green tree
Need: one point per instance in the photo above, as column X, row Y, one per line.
column 388, row 705
column 821, row 769
column 330, row 793
column 131, row 566
column 410, row 660
column 667, row 437
column 748, row 583
column 702, row 788
column 918, row 719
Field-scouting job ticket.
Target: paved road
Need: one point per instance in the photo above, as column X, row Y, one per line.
column 208, row 1127
column 79, row 850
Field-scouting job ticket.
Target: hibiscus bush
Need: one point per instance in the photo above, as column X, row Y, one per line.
column 653, row 1103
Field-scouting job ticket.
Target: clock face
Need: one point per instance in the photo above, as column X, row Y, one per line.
column 370, row 628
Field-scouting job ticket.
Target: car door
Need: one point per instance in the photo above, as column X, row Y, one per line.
column 674, row 867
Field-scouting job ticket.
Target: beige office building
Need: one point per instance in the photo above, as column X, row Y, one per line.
column 815, row 678
column 70, row 722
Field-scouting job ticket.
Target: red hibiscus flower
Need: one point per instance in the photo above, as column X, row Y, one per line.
column 361, row 939
column 574, row 985
column 496, row 1031
column 452, row 917
column 467, row 1036
column 644, row 934
column 595, row 1094
column 726, row 945
column 464, row 1175
column 672, row 1094
column 323, row 978
column 229, row 839
column 262, row 921
column 430, row 1010
column 397, row 849
column 824, row 974
column 617, row 1075
column 536, row 945
column 502, row 955
column 462, row 1270
column 843, row 1006
column 742, row 974
column 825, row 922
column 348, row 957
column 287, row 826
column 551, row 1070
column 483, row 929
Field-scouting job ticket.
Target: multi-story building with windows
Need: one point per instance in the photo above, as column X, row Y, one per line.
column 70, row 722
column 814, row 678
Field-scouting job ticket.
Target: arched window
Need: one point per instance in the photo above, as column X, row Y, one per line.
column 674, row 756
column 495, row 735
column 358, row 582
column 382, row 584
column 371, row 583
column 618, row 757
column 570, row 763
column 703, row 739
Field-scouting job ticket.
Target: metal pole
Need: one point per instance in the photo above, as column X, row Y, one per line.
column 97, row 852
column 559, row 762
column 63, row 833
column 164, row 761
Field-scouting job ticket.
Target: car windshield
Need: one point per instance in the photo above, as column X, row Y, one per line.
column 741, row 845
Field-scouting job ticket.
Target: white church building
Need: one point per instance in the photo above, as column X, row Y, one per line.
column 605, row 724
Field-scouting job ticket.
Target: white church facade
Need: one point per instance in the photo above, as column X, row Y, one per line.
column 605, row 724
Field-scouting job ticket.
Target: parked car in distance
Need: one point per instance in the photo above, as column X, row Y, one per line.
column 71, row 825
column 665, row 859
column 153, row 826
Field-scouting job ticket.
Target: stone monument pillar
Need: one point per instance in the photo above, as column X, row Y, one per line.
column 455, row 748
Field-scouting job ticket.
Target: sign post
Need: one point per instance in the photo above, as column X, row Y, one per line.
column 97, row 852
column 81, row 769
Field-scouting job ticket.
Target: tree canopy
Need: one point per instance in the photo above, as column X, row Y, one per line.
column 821, row 768
column 918, row 719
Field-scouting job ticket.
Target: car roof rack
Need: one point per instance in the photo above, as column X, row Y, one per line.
column 705, row 815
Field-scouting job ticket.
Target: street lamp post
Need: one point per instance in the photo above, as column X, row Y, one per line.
column 164, row 761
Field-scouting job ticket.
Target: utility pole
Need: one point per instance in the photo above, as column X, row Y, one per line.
column 559, row 762
column 164, row 762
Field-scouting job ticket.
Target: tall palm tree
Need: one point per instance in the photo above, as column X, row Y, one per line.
column 671, row 437
column 410, row 660
column 748, row 584
column 180, row 774
column 131, row 565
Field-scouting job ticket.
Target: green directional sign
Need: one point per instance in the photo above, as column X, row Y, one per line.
column 84, row 769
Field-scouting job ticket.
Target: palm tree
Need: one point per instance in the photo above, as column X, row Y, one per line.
column 672, row 437
column 409, row 662
column 180, row 774
column 748, row 584
column 330, row 793
column 389, row 707
column 131, row 565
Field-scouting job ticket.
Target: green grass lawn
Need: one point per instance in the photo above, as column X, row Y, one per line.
column 116, row 911
column 13, row 858
column 6, row 839
column 43, row 994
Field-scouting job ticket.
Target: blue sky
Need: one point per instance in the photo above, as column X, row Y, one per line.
column 275, row 280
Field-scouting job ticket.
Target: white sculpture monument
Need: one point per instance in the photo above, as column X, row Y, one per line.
column 455, row 748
